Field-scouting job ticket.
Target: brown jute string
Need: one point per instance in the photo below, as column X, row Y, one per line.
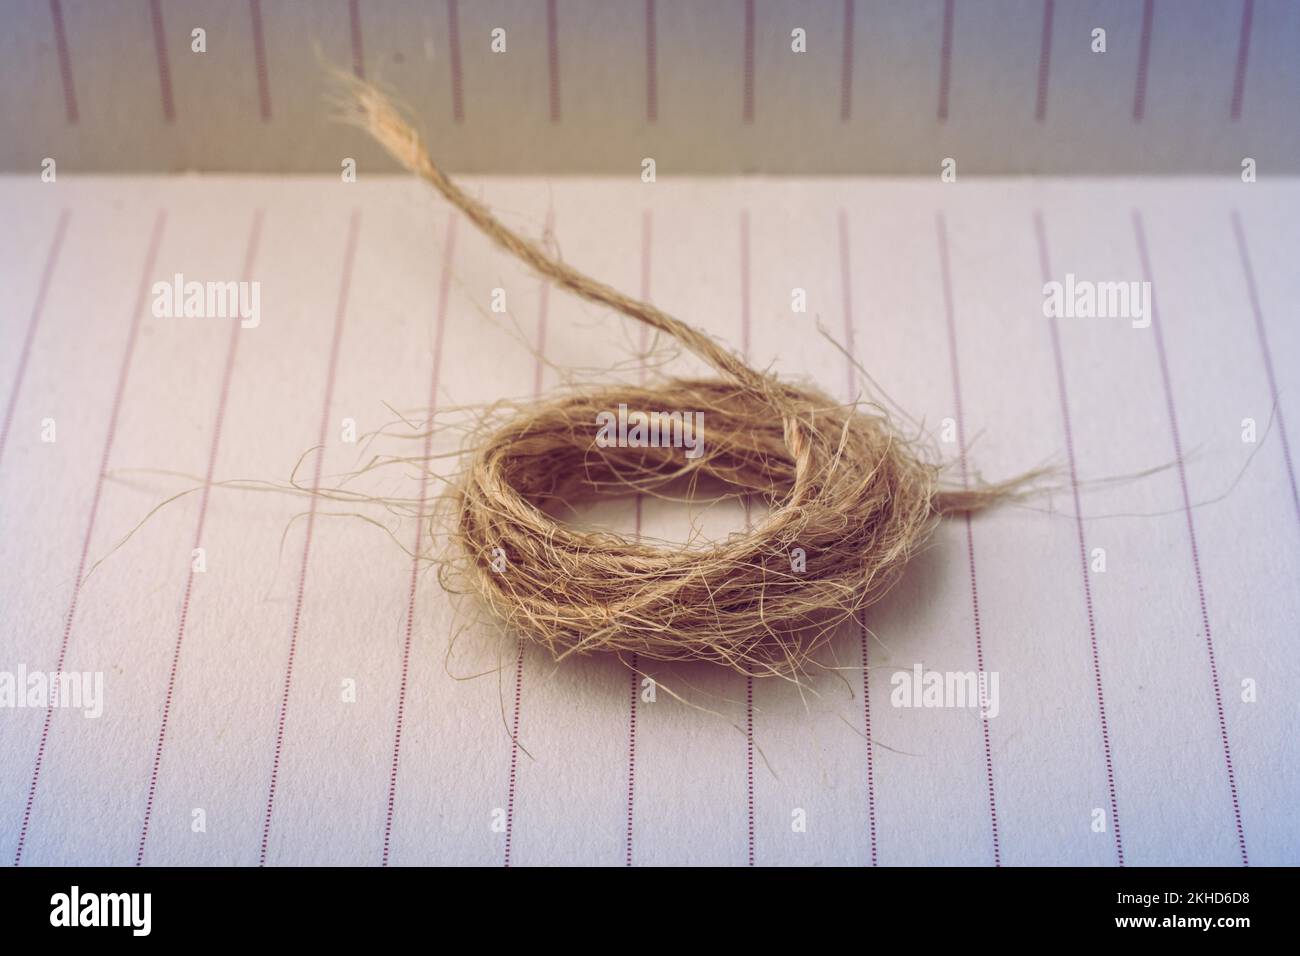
column 846, row 492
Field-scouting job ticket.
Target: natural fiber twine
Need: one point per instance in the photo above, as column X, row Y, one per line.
column 841, row 483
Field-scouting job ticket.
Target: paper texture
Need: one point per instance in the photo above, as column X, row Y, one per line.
column 574, row 86
column 1037, row 783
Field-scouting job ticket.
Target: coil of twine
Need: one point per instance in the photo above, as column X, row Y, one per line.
column 840, row 482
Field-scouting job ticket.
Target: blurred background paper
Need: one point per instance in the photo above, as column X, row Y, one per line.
column 589, row 86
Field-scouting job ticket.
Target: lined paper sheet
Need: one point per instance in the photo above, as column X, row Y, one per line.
column 1146, row 712
column 592, row 86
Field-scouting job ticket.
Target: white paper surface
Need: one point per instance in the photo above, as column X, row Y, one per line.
column 594, row 86
column 926, row 797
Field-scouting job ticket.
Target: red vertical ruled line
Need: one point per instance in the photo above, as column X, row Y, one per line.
column 223, row 396
column 514, row 750
column 65, row 61
column 1144, row 61
column 749, row 732
column 553, row 57
column 137, row 310
column 651, row 64
column 453, row 39
column 1040, row 231
column 646, row 235
column 748, row 107
column 548, row 234
column 846, row 290
column 1253, row 291
column 1044, row 62
column 164, row 70
column 1243, row 57
column 444, row 288
column 744, row 283
column 259, row 59
column 354, row 29
column 345, row 282
column 945, row 60
column 540, row 351
column 846, row 285
column 846, row 65
column 38, row 309
column 749, row 678
column 1176, row 437
column 631, row 725
column 631, row 736
column 946, row 271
